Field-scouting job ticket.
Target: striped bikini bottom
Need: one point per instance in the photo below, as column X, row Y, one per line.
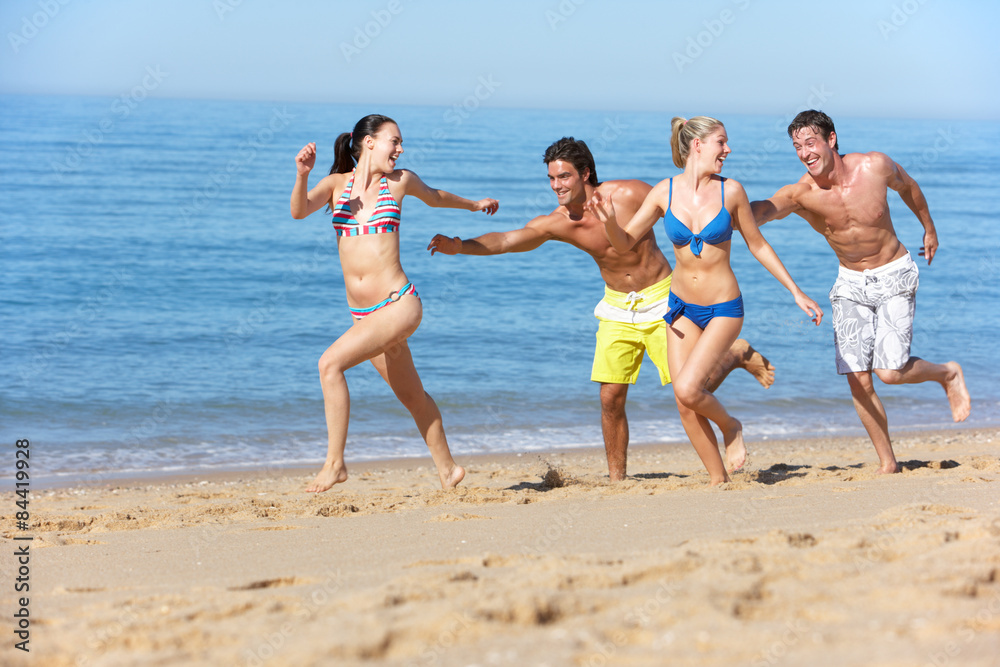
column 393, row 297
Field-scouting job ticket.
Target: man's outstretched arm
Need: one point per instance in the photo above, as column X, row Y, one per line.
column 778, row 206
column 495, row 243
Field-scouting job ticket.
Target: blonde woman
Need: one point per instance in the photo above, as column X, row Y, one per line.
column 700, row 211
column 365, row 191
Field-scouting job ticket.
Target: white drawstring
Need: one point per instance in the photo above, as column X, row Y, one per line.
column 632, row 299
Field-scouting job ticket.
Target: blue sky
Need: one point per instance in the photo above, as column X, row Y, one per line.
column 898, row 58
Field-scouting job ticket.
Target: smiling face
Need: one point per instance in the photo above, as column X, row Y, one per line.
column 815, row 152
column 385, row 147
column 713, row 149
column 567, row 182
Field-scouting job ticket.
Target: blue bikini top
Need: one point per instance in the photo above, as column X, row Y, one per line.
column 719, row 230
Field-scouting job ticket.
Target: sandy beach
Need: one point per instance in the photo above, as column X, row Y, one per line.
column 807, row 558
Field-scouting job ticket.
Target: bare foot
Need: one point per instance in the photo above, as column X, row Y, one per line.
column 958, row 395
column 888, row 469
column 616, row 469
column 452, row 479
column 736, row 449
column 330, row 474
column 755, row 363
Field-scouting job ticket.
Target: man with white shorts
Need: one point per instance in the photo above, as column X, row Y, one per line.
column 844, row 197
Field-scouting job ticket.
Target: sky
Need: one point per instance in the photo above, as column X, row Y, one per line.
column 864, row 58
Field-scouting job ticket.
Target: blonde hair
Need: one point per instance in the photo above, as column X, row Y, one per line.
column 684, row 130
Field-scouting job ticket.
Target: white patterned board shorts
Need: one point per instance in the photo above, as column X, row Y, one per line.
column 873, row 316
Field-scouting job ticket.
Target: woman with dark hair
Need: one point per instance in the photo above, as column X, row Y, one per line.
column 706, row 307
column 365, row 190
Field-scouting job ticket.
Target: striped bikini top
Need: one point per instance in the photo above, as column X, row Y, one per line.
column 383, row 220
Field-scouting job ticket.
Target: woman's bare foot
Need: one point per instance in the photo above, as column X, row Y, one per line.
column 330, row 474
column 890, row 468
column 716, row 482
column 736, row 449
column 958, row 394
column 452, row 478
column 755, row 363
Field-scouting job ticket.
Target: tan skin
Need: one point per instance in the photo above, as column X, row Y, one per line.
column 706, row 279
column 623, row 271
column 372, row 271
column 845, row 198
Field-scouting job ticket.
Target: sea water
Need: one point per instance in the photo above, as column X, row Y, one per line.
column 163, row 312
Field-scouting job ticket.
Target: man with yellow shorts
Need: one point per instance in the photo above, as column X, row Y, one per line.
column 637, row 284
column 631, row 324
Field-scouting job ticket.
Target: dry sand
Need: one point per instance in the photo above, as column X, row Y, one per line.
column 808, row 558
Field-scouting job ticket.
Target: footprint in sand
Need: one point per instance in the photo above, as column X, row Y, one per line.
column 271, row 583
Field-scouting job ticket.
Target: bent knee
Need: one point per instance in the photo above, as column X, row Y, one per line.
column 889, row 376
column 414, row 400
column 330, row 367
column 688, row 393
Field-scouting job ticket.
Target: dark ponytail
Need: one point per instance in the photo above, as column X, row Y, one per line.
column 343, row 161
column 347, row 147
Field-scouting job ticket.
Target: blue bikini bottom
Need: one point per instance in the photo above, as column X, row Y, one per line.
column 702, row 315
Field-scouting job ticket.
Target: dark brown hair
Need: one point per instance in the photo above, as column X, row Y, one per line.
column 576, row 153
column 347, row 147
column 816, row 120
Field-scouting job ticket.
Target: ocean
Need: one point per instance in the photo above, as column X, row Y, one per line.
column 162, row 312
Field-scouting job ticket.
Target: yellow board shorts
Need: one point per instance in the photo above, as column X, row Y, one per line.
column 631, row 324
